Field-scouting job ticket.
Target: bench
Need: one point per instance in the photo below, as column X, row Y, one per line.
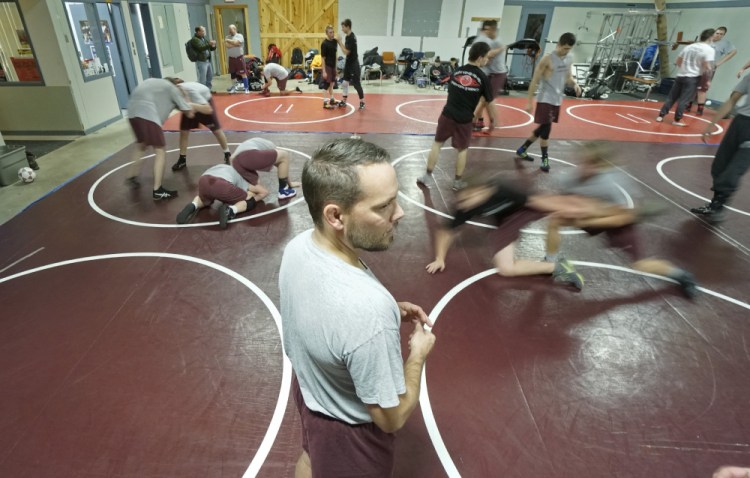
column 644, row 81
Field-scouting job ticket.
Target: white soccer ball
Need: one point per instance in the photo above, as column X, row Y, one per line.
column 26, row 174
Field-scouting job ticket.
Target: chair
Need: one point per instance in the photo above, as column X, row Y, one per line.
column 368, row 70
column 389, row 59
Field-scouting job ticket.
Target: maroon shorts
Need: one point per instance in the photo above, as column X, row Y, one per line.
column 210, row 121
column 625, row 238
column 497, row 81
column 546, row 113
column 211, row 188
column 448, row 128
column 281, row 83
column 338, row 449
column 248, row 163
column 147, row 132
column 704, row 81
column 236, row 66
column 509, row 229
column 331, row 73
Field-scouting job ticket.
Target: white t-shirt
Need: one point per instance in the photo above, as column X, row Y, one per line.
column 693, row 57
column 197, row 92
column 236, row 51
column 274, row 70
column 258, row 144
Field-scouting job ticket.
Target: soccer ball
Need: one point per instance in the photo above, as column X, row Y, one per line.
column 26, row 174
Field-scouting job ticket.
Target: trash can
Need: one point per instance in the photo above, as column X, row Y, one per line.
column 12, row 158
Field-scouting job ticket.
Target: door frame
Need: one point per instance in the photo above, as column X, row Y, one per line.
column 220, row 35
column 516, row 61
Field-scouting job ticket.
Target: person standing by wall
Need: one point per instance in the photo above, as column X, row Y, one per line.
column 328, row 50
column 204, row 47
column 235, row 44
column 724, row 51
column 341, row 326
column 352, row 74
column 495, row 69
column 695, row 60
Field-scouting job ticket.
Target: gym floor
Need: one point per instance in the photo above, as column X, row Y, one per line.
column 135, row 347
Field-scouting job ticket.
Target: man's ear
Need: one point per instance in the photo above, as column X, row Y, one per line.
column 332, row 215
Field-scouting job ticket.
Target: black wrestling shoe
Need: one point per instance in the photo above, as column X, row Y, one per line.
column 187, row 214
column 162, row 193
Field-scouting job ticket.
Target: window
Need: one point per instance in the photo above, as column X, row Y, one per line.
column 17, row 61
column 92, row 38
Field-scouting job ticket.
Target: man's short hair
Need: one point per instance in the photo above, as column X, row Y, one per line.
column 487, row 24
column 567, row 39
column 722, row 28
column 707, row 33
column 478, row 50
column 174, row 80
column 329, row 27
column 198, row 28
column 347, row 23
column 332, row 175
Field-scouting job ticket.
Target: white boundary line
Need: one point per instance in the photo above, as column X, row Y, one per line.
column 629, row 119
column 660, row 169
column 20, row 260
column 570, row 109
column 488, row 226
column 424, row 398
column 277, row 108
column 286, row 376
column 398, row 110
column 104, row 213
column 349, row 107
column 642, row 120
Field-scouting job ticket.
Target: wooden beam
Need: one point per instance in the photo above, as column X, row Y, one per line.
column 293, row 35
column 661, row 35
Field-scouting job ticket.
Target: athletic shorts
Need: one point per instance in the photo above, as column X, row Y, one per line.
column 704, row 81
column 497, row 81
column 210, row 121
column 248, row 163
column 147, row 132
column 625, row 238
column 509, row 229
column 459, row 132
column 281, row 83
column 236, row 66
column 211, row 188
column 352, row 72
column 338, row 449
column 331, row 73
column 546, row 113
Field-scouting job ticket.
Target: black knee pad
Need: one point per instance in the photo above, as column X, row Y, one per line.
column 543, row 131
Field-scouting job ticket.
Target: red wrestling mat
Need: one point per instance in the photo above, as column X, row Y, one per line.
column 418, row 114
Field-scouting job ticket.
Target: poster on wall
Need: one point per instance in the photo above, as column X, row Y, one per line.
column 23, row 37
column 106, row 32
column 86, row 31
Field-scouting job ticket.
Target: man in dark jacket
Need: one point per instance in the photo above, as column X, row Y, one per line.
column 204, row 48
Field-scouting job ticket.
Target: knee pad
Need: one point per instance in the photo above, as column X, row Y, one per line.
column 543, row 131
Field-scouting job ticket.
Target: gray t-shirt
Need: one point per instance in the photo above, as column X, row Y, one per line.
column 551, row 90
column 235, row 51
column 198, row 93
column 609, row 185
column 497, row 63
column 722, row 48
column 341, row 333
column 154, row 99
column 227, row 173
column 744, row 87
column 259, row 144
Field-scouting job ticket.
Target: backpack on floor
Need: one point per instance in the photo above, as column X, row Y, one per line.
column 297, row 74
column 297, row 58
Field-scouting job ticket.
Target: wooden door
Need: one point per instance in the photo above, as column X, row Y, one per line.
column 295, row 24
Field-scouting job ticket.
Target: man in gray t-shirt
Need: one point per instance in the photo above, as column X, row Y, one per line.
column 341, row 325
column 495, row 68
column 732, row 160
column 148, row 107
column 724, row 51
column 235, row 45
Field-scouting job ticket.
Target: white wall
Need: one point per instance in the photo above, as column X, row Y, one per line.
column 183, row 34
column 451, row 34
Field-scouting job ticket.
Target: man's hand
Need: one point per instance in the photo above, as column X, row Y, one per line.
column 529, row 105
column 732, row 472
column 578, row 89
column 325, row 75
column 413, row 313
column 421, row 341
column 435, row 266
